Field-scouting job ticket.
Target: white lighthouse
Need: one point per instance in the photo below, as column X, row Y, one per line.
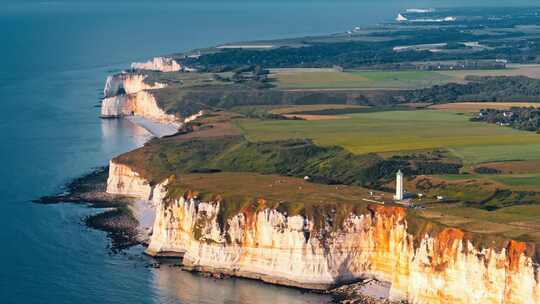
column 399, row 186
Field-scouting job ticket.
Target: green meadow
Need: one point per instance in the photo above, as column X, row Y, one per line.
column 395, row 131
column 375, row 79
column 519, row 180
column 359, row 79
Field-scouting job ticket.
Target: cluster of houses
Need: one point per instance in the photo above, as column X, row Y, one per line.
column 501, row 118
column 461, row 65
column 401, row 18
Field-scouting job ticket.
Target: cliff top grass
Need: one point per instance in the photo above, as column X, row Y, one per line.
column 161, row 158
column 185, row 80
column 518, row 223
column 244, row 192
column 248, row 192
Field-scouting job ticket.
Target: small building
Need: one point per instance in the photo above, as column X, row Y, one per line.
column 401, row 18
column 508, row 114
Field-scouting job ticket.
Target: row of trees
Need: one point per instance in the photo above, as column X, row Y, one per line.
column 500, row 88
column 355, row 54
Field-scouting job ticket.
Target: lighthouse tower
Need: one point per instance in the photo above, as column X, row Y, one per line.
column 399, row 186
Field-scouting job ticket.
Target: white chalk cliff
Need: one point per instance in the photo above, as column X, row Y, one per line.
column 438, row 267
column 161, row 64
column 122, row 180
column 125, row 83
column 130, row 95
column 142, row 103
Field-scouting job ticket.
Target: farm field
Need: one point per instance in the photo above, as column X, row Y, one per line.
column 525, row 182
column 515, row 167
column 519, row 180
column 477, row 106
column 394, row 131
column 313, row 107
column 505, row 151
column 327, row 78
column 529, row 70
column 372, row 79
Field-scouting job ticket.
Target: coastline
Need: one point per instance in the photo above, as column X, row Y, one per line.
column 128, row 222
column 117, row 219
column 157, row 129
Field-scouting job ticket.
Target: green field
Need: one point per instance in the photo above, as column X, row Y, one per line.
column 529, row 70
column 502, row 151
column 311, row 79
column 522, row 182
column 393, row 131
column 372, row 79
column 519, row 180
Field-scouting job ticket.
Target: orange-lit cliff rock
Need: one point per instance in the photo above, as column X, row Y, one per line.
column 439, row 266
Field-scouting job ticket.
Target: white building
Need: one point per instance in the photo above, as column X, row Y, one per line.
column 399, row 186
column 401, row 18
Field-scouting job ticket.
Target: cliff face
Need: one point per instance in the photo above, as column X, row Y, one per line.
column 129, row 95
column 125, row 83
column 438, row 267
column 112, row 106
column 162, row 64
column 142, row 103
column 124, row 181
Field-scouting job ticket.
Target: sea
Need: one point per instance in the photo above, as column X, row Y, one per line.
column 54, row 58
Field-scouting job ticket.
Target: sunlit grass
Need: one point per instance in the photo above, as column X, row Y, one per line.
column 389, row 131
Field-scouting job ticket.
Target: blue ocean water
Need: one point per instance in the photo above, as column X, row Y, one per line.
column 54, row 57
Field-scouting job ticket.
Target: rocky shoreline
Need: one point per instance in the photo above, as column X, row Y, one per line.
column 89, row 188
column 117, row 220
column 366, row 292
column 122, row 228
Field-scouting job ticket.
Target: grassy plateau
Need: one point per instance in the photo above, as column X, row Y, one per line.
column 394, row 131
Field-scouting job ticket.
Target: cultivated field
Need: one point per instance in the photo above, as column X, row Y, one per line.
column 313, row 107
column 529, row 70
column 328, row 78
column 366, row 79
column 526, row 181
column 515, row 167
column 394, row 131
column 477, row 106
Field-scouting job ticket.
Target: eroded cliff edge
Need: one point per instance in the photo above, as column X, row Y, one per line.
column 283, row 244
column 129, row 94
